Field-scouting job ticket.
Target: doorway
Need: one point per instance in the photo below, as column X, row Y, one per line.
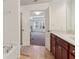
column 37, row 34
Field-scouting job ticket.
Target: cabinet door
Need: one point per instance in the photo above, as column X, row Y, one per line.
column 53, row 45
column 58, row 51
column 50, row 42
column 64, row 53
column 61, row 53
column 71, row 56
column 71, row 52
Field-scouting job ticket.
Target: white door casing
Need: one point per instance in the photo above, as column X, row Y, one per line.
column 25, row 29
column 47, row 31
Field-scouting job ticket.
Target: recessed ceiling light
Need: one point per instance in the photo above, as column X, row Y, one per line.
column 38, row 12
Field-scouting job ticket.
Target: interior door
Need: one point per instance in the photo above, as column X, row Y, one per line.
column 25, row 29
column 47, row 32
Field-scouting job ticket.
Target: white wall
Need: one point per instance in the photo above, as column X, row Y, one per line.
column 11, row 23
column 62, row 15
column 71, row 16
column 26, row 11
column 58, row 15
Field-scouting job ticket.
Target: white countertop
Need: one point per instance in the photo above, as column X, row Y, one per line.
column 65, row 36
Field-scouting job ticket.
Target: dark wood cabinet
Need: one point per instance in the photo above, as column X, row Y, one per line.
column 61, row 53
column 71, row 51
column 64, row 54
column 52, row 44
column 60, row 48
column 58, row 51
column 71, row 56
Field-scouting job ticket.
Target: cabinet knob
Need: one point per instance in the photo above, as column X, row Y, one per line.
column 73, row 51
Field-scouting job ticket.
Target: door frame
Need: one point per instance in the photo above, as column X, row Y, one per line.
column 30, row 22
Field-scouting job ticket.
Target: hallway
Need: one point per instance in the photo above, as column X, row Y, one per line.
column 35, row 52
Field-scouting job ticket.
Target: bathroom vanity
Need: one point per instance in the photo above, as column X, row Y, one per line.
column 62, row 45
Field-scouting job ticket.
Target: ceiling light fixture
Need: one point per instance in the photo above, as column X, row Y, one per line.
column 38, row 12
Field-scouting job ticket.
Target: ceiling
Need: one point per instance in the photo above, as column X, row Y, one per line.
column 27, row 2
